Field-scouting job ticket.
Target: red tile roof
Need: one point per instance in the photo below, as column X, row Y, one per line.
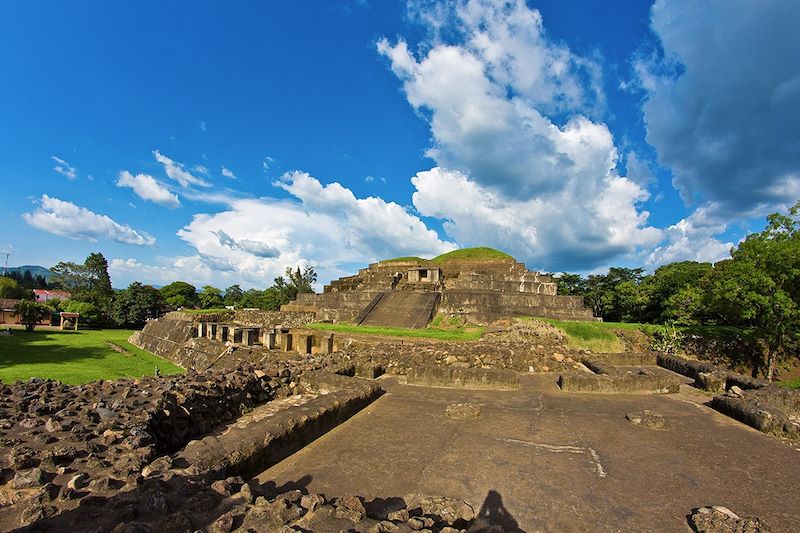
column 43, row 295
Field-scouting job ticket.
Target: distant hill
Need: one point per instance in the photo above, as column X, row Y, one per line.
column 36, row 270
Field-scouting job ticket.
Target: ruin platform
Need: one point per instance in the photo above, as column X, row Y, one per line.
column 548, row 460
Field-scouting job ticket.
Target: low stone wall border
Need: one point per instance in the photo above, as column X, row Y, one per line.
column 250, row 450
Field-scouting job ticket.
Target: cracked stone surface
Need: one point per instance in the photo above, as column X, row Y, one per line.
column 547, row 460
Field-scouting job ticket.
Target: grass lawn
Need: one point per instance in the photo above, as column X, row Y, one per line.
column 75, row 357
column 594, row 336
column 792, row 384
column 454, row 334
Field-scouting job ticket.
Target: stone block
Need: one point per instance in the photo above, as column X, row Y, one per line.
column 463, row 378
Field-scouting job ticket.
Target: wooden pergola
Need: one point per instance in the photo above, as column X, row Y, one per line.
column 69, row 316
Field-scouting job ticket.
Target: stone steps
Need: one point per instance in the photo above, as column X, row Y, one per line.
column 403, row 309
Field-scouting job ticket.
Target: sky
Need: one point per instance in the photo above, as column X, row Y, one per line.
column 221, row 143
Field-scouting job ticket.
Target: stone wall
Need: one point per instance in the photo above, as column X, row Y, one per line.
column 341, row 306
column 463, row 378
column 770, row 409
column 261, row 443
column 485, row 306
column 164, row 336
column 169, row 335
column 505, row 275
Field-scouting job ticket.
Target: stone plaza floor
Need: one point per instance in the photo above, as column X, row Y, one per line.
column 545, row 460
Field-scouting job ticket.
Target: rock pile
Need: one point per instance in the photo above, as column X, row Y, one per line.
column 64, row 442
column 719, row 519
column 293, row 511
column 169, row 502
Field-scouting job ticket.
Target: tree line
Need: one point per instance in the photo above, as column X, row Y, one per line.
column 100, row 305
column 757, row 288
column 181, row 294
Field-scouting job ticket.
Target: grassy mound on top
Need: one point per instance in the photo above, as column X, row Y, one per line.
column 472, row 254
column 404, row 259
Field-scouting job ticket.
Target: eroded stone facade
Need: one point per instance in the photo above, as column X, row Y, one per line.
column 479, row 290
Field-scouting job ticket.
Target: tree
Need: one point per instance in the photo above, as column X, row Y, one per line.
column 301, row 281
column 69, row 277
column 31, row 313
column 685, row 307
column 26, row 280
column 90, row 313
column 664, row 285
column 210, row 297
column 298, row 282
column 10, row 289
column 269, row 299
column 180, row 294
column 600, row 290
column 98, row 280
column 282, row 291
column 629, row 300
column 88, row 282
column 136, row 304
column 233, row 295
column 759, row 287
column 569, row 284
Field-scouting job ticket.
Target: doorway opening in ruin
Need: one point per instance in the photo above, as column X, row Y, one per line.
column 309, row 343
column 224, row 333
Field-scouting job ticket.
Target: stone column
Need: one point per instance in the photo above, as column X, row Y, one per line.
column 326, row 344
column 302, row 343
column 286, row 341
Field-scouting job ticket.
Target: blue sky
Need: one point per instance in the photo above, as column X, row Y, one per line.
column 221, row 143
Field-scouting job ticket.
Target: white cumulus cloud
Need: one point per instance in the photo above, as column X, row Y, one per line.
column 228, row 173
column 177, row 171
column 64, row 218
column 326, row 226
column 148, row 188
column 693, row 238
column 722, row 102
column 508, row 174
column 64, row 168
